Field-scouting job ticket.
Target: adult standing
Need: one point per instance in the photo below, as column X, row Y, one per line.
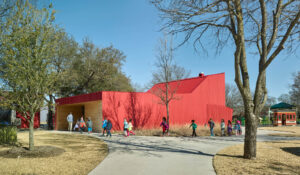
column 70, row 121
column 211, row 124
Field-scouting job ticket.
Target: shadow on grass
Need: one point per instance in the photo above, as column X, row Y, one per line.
column 227, row 155
column 283, row 167
column 292, row 150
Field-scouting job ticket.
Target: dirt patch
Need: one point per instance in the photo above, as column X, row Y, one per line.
column 272, row 158
column 69, row 154
column 38, row 152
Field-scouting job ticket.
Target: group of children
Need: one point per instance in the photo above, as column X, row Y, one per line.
column 128, row 127
column 81, row 125
column 106, row 126
column 237, row 127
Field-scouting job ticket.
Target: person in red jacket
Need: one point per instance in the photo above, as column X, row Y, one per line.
column 164, row 126
column 82, row 125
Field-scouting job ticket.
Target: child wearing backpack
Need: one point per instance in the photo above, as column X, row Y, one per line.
column 194, row 126
column 108, row 128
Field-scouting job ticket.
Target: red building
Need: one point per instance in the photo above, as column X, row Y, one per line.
column 284, row 114
column 199, row 98
column 25, row 123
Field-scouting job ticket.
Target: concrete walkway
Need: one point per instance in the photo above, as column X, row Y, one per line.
column 140, row 155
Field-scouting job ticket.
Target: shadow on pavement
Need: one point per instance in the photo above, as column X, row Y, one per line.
column 144, row 147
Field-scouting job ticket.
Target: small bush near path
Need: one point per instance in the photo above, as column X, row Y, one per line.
column 54, row 154
column 293, row 131
column 8, row 135
column 278, row 157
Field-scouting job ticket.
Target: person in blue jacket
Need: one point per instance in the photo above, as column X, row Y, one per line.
column 104, row 124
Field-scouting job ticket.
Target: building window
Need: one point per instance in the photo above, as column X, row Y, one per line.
column 279, row 117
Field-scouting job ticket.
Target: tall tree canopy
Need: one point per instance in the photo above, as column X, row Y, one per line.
column 28, row 41
column 265, row 26
column 93, row 69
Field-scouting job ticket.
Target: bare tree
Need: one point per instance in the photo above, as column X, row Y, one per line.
column 234, row 99
column 267, row 26
column 285, row 98
column 295, row 90
column 167, row 71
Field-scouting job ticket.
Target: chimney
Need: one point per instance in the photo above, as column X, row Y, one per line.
column 201, row 74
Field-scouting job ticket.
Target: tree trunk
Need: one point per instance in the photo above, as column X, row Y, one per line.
column 31, row 138
column 167, row 106
column 250, row 134
column 167, row 102
column 50, row 113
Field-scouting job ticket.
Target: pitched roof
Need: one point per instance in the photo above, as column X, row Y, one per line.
column 180, row 86
column 282, row 106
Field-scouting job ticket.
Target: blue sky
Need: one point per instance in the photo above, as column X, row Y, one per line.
column 132, row 26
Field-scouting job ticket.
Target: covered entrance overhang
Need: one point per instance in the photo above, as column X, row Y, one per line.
column 88, row 105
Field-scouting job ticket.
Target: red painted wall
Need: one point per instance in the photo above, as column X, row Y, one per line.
column 25, row 123
column 206, row 100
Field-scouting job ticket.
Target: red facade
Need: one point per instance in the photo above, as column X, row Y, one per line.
column 199, row 99
column 284, row 118
column 25, row 123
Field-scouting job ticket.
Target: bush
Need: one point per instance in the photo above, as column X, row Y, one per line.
column 8, row 134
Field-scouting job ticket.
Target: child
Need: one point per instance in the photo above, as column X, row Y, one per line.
column 108, row 128
column 164, row 125
column 77, row 125
column 130, row 131
column 89, row 125
column 194, row 126
column 125, row 128
column 211, row 124
column 82, row 125
column 229, row 128
column 223, row 127
column 239, row 128
column 104, row 124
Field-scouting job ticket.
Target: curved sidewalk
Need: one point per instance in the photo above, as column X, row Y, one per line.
column 140, row 155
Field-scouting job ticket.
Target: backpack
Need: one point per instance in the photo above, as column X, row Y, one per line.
column 109, row 126
column 104, row 123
